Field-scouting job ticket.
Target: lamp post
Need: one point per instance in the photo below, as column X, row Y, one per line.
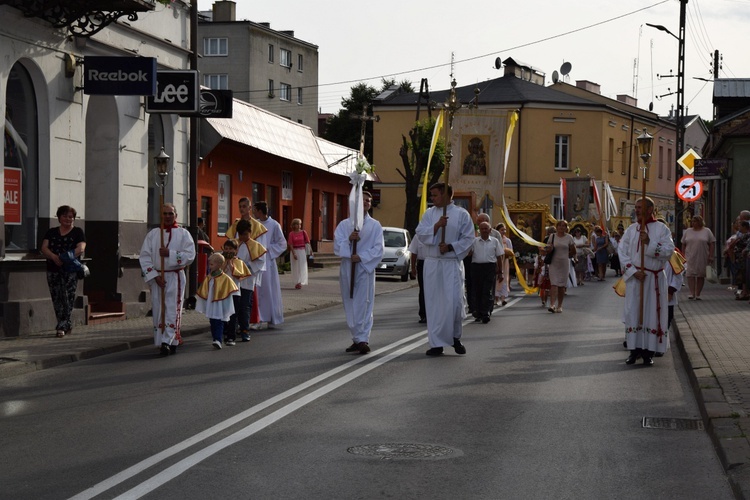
column 680, row 117
column 161, row 162
column 645, row 141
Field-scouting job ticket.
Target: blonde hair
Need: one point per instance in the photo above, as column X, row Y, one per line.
column 216, row 258
column 297, row 221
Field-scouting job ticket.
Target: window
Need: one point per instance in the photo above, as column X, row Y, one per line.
column 624, row 159
column 216, row 82
column 285, row 92
column 270, row 52
column 300, row 60
column 299, row 95
column 611, row 156
column 271, row 91
column 21, row 163
column 670, row 164
column 215, row 47
column 562, row 152
column 661, row 162
column 285, row 58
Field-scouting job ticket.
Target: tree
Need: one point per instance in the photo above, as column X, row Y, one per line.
column 414, row 155
column 345, row 129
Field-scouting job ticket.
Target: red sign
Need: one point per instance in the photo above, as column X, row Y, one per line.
column 13, row 196
column 688, row 189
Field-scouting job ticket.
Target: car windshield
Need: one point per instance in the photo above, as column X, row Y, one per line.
column 393, row 239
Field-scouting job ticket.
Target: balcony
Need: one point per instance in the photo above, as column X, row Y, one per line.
column 82, row 18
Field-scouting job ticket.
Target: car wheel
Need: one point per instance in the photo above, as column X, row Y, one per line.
column 405, row 277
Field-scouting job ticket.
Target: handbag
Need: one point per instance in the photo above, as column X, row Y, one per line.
column 308, row 249
column 548, row 257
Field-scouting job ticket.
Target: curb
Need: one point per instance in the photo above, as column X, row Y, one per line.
column 727, row 428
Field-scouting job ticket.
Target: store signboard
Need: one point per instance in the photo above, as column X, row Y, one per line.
column 119, row 75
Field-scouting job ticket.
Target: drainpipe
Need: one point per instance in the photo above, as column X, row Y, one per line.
column 630, row 152
column 518, row 155
column 193, row 160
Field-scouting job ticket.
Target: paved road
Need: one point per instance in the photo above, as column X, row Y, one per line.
column 542, row 406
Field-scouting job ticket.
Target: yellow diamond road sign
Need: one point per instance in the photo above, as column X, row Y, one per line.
column 687, row 161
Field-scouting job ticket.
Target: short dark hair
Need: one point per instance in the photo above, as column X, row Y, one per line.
column 231, row 243
column 441, row 186
column 243, row 226
column 66, row 209
column 261, row 206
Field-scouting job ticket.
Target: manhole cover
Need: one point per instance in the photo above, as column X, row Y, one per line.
column 675, row 424
column 392, row 451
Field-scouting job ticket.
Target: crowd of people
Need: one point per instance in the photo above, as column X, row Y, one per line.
column 459, row 271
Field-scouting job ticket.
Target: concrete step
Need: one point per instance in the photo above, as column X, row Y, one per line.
column 326, row 260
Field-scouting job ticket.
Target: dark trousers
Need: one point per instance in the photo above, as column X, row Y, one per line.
column 217, row 329
column 246, row 306
column 468, row 282
column 420, row 280
column 62, row 288
column 230, row 327
column 482, row 278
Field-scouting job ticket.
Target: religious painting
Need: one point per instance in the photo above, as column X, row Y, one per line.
column 577, row 198
column 619, row 224
column 475, row 154
column 465, row 201
column 531, row 219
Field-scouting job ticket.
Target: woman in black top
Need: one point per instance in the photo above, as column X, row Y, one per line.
column 63, row 246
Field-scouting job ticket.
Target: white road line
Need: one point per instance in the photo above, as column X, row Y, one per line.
column 191, row 461
column 193, row 440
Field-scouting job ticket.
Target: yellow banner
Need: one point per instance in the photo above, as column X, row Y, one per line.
column 433, row 145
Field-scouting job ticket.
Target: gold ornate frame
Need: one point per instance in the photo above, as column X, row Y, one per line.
column 586, row 227
column 535, row 218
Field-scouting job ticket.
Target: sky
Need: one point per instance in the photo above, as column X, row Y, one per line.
column 605, row 41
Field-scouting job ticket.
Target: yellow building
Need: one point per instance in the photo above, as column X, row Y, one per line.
column 563, row 132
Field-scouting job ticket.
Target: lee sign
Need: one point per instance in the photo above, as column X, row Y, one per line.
column 13, row 196
column 176, row 92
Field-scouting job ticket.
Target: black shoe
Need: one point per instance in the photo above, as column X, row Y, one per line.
column 363, row 348
column 173, row 349
column 435, row 351
column 164, row 350
column 648, row 361
column 631, row 359
column 659, row 354
column 423, row 320
column 353, row 348
column 458, row 346
column 477, row 320
column 486, row 320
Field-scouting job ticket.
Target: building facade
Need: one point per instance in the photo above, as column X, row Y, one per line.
column 262, row 66
column 563, row 131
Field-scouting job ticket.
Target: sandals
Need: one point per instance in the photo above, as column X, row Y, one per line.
column 298, row 286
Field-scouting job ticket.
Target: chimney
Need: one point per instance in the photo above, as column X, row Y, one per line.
column 266, row 25
column 624, row 98
column 225, row 10
column 590, row 86
column 288, row 33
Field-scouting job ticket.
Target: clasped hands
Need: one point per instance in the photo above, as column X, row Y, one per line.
column 355, row 237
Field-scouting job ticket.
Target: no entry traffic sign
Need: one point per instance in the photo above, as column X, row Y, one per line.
column 688, row 189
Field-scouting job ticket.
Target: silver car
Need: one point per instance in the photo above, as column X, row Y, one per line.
column 396, row 255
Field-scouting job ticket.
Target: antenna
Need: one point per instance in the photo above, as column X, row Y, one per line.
column 555, row 76
column 452, row 63
column 565, row 70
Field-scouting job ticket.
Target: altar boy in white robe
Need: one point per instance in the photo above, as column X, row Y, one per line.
column 443, row 268
column 369, row 253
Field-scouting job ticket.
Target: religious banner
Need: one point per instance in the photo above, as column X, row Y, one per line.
column 577, row 198
column 478, row 145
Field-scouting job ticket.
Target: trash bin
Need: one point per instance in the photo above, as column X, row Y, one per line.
column 204, row 250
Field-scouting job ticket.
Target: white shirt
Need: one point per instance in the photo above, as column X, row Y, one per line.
column 486, row 251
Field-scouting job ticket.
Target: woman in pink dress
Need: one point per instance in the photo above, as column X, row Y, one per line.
column 298, row 240
column 698, row 244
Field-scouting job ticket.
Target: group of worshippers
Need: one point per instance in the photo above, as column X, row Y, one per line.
column 243, row 274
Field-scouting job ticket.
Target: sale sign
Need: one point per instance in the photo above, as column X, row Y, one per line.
column 13, row 196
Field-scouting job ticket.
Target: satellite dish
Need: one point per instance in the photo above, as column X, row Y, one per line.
column 555, row 76
column 565, row 68
column 651, row 106
column 498, row 63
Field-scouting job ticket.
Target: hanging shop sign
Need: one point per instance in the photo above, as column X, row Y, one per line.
column 214, row 104
column 119, row 75
column 176, row 92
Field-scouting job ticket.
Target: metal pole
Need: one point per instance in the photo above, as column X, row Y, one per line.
column 193, row 160
column 678, row 206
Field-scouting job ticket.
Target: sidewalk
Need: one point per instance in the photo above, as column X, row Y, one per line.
column 714, row 340
column 44, row 350
column 712, row 335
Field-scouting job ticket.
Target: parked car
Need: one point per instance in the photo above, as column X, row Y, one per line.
column 396, row 255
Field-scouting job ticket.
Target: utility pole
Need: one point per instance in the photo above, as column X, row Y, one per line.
column 678, row 206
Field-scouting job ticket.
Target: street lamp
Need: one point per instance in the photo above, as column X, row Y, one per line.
column 161, row 162
column 680, row 117
column 645, row 141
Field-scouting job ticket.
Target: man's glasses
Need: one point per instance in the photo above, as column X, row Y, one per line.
column 167, row 213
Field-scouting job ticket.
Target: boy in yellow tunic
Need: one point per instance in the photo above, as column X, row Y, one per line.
column 236, row 269
column 214, row 297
